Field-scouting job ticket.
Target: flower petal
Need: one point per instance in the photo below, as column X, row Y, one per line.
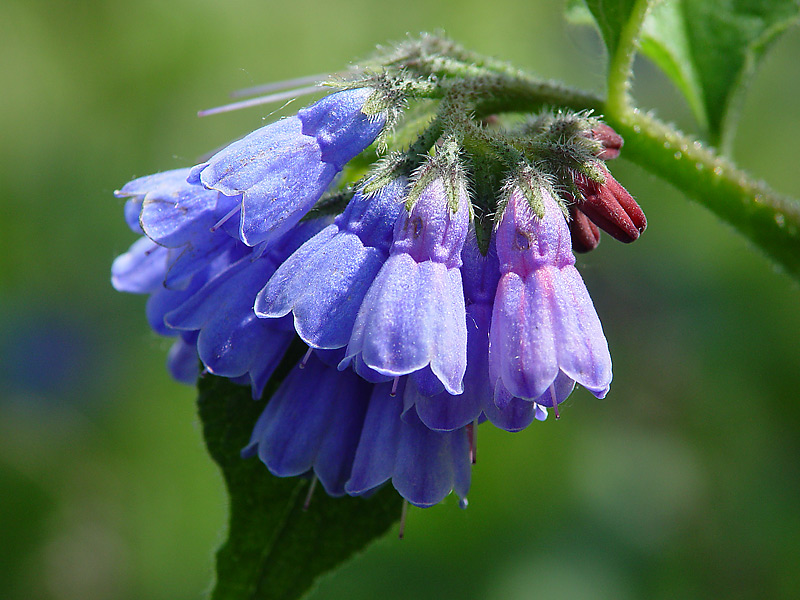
column 278, row 170
column 324, row 287
column 341, row 129
column 522, row 349
column 297, row 418
column 377, row 447
column 141, row 269
column 412, row 316
column 429, row 463
column 581, row 345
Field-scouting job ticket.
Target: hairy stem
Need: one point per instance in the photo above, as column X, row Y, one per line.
column 620, row 65
column 769, row 220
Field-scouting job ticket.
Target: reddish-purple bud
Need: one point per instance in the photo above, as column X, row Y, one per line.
column 610, row 207
column 611, row 140
column 585, row 234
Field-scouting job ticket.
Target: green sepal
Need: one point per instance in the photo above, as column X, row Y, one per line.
column 445, row 165
column 487, row 190
column 530, row 184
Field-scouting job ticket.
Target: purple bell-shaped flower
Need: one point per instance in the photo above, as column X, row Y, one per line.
column 324, row 283
column 413, row 317
column 545, row 333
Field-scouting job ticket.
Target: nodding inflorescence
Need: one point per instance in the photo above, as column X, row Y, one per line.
column 420, row 248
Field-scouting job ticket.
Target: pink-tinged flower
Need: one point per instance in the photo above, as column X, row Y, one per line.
column 545, row 333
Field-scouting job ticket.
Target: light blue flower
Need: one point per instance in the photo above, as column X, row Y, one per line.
column 282, row 169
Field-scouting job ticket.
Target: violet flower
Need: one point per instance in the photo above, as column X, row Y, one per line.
column 324, row 283
column 545, row 332
column 413, row 314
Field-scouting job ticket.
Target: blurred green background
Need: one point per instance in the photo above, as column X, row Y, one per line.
column 683, row 483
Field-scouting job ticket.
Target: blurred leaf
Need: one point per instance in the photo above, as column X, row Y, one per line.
column 275, row 549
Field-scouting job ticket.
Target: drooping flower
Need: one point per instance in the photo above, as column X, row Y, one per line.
column 282, row 169
column 413, row 315
column 324, row 283
column 232, row 341
column 444, row 411
column 203, row 282
column 447, row 412
column 181, row 217
column 416, row 333
column 351, row 435
column 312, row 422
column 545, row 333
column 423, row 465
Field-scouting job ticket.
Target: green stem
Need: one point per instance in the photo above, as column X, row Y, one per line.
column 768, row 219
column 620, row 65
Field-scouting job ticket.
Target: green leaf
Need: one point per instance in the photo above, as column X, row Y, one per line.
column 665, row 40
column 726, row 40
column 275, row 550
column 620, row 23
column 708, row 48
column 611, row 16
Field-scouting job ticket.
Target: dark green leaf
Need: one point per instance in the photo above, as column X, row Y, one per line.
column 275, row 550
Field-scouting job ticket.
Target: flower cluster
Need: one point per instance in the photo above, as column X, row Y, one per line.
column 422, row 316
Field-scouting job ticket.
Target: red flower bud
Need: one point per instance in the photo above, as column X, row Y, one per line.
column 610, row 207
column 585, row 234
column 611, row 140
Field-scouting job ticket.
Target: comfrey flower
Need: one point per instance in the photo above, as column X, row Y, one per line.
column 412, row 317
column 545, row 334
column 202, row 281
column 282, row 169
column 324, row 283
column 431, row 297
column 354, row 437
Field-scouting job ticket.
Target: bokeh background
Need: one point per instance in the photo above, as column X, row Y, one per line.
column 683, row 483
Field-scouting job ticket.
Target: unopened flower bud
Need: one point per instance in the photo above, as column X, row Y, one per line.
column 611, row 140
column 610, row 207
column 585, row 234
